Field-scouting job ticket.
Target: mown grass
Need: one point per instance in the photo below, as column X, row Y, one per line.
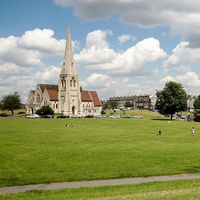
column 45, row 150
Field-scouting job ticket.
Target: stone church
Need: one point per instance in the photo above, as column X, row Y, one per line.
column 68, row 97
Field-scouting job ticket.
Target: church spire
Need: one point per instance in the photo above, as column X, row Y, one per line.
column 68, row 64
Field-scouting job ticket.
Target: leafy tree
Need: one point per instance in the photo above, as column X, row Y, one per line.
column 196, row 104
column 11, row 102
column 45, row 110
column 113, row 104
column 105, row 105
column 128, row 104
column 171, row 99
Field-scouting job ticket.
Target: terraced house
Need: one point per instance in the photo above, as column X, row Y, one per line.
column 67, row 97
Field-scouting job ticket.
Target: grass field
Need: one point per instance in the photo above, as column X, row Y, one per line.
column 45, row 150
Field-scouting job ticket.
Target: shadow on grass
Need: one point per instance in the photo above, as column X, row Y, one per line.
column 193, row 169
column 163, row 119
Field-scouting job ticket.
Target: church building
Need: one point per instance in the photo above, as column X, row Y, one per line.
column 67, row 97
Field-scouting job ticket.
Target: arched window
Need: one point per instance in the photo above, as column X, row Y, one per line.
column 45, row 102
column 38, row 98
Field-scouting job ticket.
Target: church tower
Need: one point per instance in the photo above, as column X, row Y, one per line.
column 69, row 95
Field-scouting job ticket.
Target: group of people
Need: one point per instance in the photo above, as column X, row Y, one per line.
column 192, row 132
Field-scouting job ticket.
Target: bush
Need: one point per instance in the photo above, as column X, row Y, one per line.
column 103, row 112
column 45, row 110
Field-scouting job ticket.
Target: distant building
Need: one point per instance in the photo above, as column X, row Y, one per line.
column 67, row 97
column 139, row 102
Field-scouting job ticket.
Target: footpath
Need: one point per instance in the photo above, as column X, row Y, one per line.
column 95, row 183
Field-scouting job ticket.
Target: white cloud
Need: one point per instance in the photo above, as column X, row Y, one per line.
column 41, row 40
column 182, row 17
column 97, row 81
column 182, row 58
column 21, row 60
column 124, row 38
column 189, row 79
column 49, row 74
column 99, row 56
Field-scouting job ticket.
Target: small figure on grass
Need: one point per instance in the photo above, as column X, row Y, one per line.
column 69, row 125
column 192, row 131
column 159, row 133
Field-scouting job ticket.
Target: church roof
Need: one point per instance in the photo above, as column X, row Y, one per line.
column 52, row 91
column 53, row 95
column 90, row 96
column 95, row 98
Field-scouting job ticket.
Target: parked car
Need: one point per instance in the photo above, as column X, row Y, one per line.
column 47, row 116
column 138, row 116
column 114, row 116
column 35, row 116
column 76, row 116
column 101, row 116
column 89, row 116
column 63, row 116
column 3, row 115
column 127, row 116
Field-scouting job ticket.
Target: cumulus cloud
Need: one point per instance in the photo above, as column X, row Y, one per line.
column 182, row 57
column 41, row 40
column 98, row 56
column 124, row 38
column 49, row 74
column 97, row 81
column 182, row 17
column 21, row 60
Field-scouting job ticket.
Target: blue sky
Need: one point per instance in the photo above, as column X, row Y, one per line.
column 120, row 47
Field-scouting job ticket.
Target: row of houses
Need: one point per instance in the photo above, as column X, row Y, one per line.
column 145, row 101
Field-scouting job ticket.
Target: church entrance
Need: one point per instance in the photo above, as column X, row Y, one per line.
column 73, row 110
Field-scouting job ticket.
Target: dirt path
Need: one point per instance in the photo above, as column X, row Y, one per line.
column 96, row 183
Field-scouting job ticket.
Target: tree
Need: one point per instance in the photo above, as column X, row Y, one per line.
column 11, row 102
column 113, row 104
column 171, row 99
column 45, row 110
column 128, row 104
column 196, row 104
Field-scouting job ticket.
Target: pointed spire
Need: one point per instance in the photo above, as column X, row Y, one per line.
column 68, row 64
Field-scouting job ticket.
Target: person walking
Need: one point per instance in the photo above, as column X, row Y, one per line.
column 192, row 131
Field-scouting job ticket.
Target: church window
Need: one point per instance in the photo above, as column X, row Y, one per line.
column 72, row 82
column 45, row 102
column 38, row 98
column 63, row 84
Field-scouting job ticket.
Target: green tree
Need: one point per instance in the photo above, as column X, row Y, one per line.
column 113, row 104
column 11, row 102
column 128, row 104
column 171, row 99
column 45, row 110
column 196, row 104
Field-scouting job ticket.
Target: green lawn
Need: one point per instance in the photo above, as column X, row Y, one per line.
column 45, row 150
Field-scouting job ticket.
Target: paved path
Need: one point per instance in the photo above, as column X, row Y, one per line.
column 111, row 182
